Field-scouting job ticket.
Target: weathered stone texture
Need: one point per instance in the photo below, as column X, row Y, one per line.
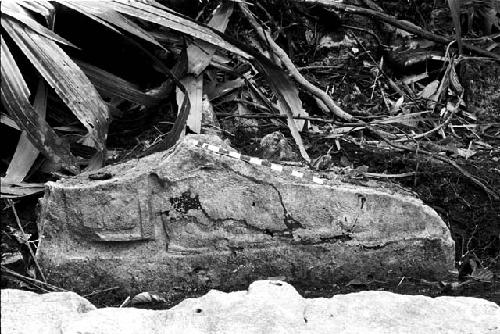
column 26, row 312
column 190, row 219
column 269, row 307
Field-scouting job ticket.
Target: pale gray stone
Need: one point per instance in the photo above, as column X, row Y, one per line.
column 268, row 307
column 192, row 220
column 26, row 312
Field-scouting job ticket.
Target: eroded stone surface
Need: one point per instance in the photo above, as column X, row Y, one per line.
column 28, row 312
column 188, row 219
column 267, row 307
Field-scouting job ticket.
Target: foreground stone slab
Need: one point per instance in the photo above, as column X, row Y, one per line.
column 192, row 220
column 267, row 307
column 28, row 312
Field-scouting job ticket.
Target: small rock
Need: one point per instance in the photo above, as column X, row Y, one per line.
column 275, row 147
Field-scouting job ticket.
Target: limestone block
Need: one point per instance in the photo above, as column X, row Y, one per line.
column 270, row 307
column 28, row 312
column 188, row 219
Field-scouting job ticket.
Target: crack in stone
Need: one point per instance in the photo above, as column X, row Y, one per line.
column 197, row 205
column 290, row 222
column 189, row 201
column 392, row 242
column 327, row 240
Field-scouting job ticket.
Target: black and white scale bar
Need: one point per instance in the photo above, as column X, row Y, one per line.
column 257, row 161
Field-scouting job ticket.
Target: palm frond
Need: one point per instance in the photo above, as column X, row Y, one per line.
column 15, row 98
column 66, row 78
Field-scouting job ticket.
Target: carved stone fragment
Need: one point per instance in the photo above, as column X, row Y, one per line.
column 189, row 219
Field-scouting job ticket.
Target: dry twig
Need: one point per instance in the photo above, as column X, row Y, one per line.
column 43, row 286
column 18, row 221
column 402, row 25
column 465, row 173
column 317, row 92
